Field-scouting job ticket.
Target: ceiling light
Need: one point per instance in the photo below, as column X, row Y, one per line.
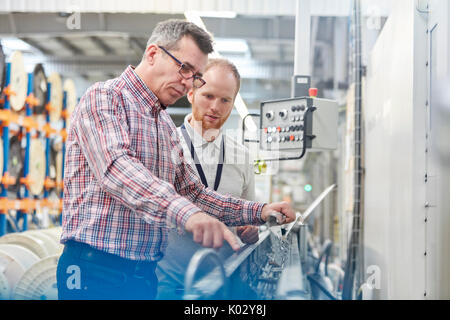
column 214, row 14
column 14, row 44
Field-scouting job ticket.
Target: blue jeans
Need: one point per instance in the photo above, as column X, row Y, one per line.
column 84, row 273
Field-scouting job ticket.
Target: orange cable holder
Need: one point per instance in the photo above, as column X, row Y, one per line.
column 63, row 134
column 27, row 205
column 7, row 180
column 31, row 100
column 26, row 181
column 49, row 107
column 47, row 128
column 8, row 91
column 49, row 183
column 4, row 205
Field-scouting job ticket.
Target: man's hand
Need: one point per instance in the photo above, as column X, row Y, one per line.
column 248, row 234
column 282, row 207
column 210, row 232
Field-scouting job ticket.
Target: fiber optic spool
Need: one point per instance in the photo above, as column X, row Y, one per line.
column 39, row 281
column 4, row 287
column 28, row 241
column 2, row 70
column 14, row 261
column 16, row 160
column 19, row 81
column 55, row 172
column 49, row 243
column 56, row 97
column 37, row 167
column 1, row 155
column 55, row 234
column 71, row 99
column 40, row 88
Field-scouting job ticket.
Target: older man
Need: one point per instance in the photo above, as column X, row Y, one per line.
column 122, row 185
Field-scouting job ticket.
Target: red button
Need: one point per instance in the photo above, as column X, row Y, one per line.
column 312, row 92
column 278, row 129
column 265, row 130
column 291, row 137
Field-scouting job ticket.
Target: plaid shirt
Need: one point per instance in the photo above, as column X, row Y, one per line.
column 125, row 178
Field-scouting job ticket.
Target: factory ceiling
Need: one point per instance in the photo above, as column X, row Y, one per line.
column 95, row 40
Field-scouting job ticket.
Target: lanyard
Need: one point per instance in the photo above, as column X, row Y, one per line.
column 197, row 162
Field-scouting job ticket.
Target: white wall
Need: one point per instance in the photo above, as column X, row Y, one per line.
column 438, row 217
column 406, row 223
column 394, row 227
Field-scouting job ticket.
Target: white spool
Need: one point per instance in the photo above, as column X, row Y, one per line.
column 55, row 234
column 31, row 242
column 56, row 96
column 37, row 166
column 39, row 281
column 49, row 243
column 14, row 261
column 18, row 81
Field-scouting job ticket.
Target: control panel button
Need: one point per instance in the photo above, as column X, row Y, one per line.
column 283, row 114
column 270, row 115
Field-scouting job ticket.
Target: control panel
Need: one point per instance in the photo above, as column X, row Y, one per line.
column 298, row 123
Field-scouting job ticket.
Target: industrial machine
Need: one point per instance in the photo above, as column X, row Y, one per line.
column 284, row 264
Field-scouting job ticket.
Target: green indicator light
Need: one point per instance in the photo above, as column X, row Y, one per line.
column 308, row 187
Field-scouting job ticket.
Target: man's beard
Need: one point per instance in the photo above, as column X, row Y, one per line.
column 209, row 131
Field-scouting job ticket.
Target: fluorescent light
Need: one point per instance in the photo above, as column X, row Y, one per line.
column 218, row 14
column 214, row 14
column 15, row 44
column 231, row 45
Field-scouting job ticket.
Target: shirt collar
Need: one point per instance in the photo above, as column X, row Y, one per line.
column 143, row 91
column 197, row 139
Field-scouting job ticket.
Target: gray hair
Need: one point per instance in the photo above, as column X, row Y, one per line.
column 168, row 33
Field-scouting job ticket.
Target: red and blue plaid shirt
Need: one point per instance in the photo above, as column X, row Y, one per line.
column 125, row 178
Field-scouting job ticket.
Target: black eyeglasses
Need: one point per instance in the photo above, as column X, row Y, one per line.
column 186, row 72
